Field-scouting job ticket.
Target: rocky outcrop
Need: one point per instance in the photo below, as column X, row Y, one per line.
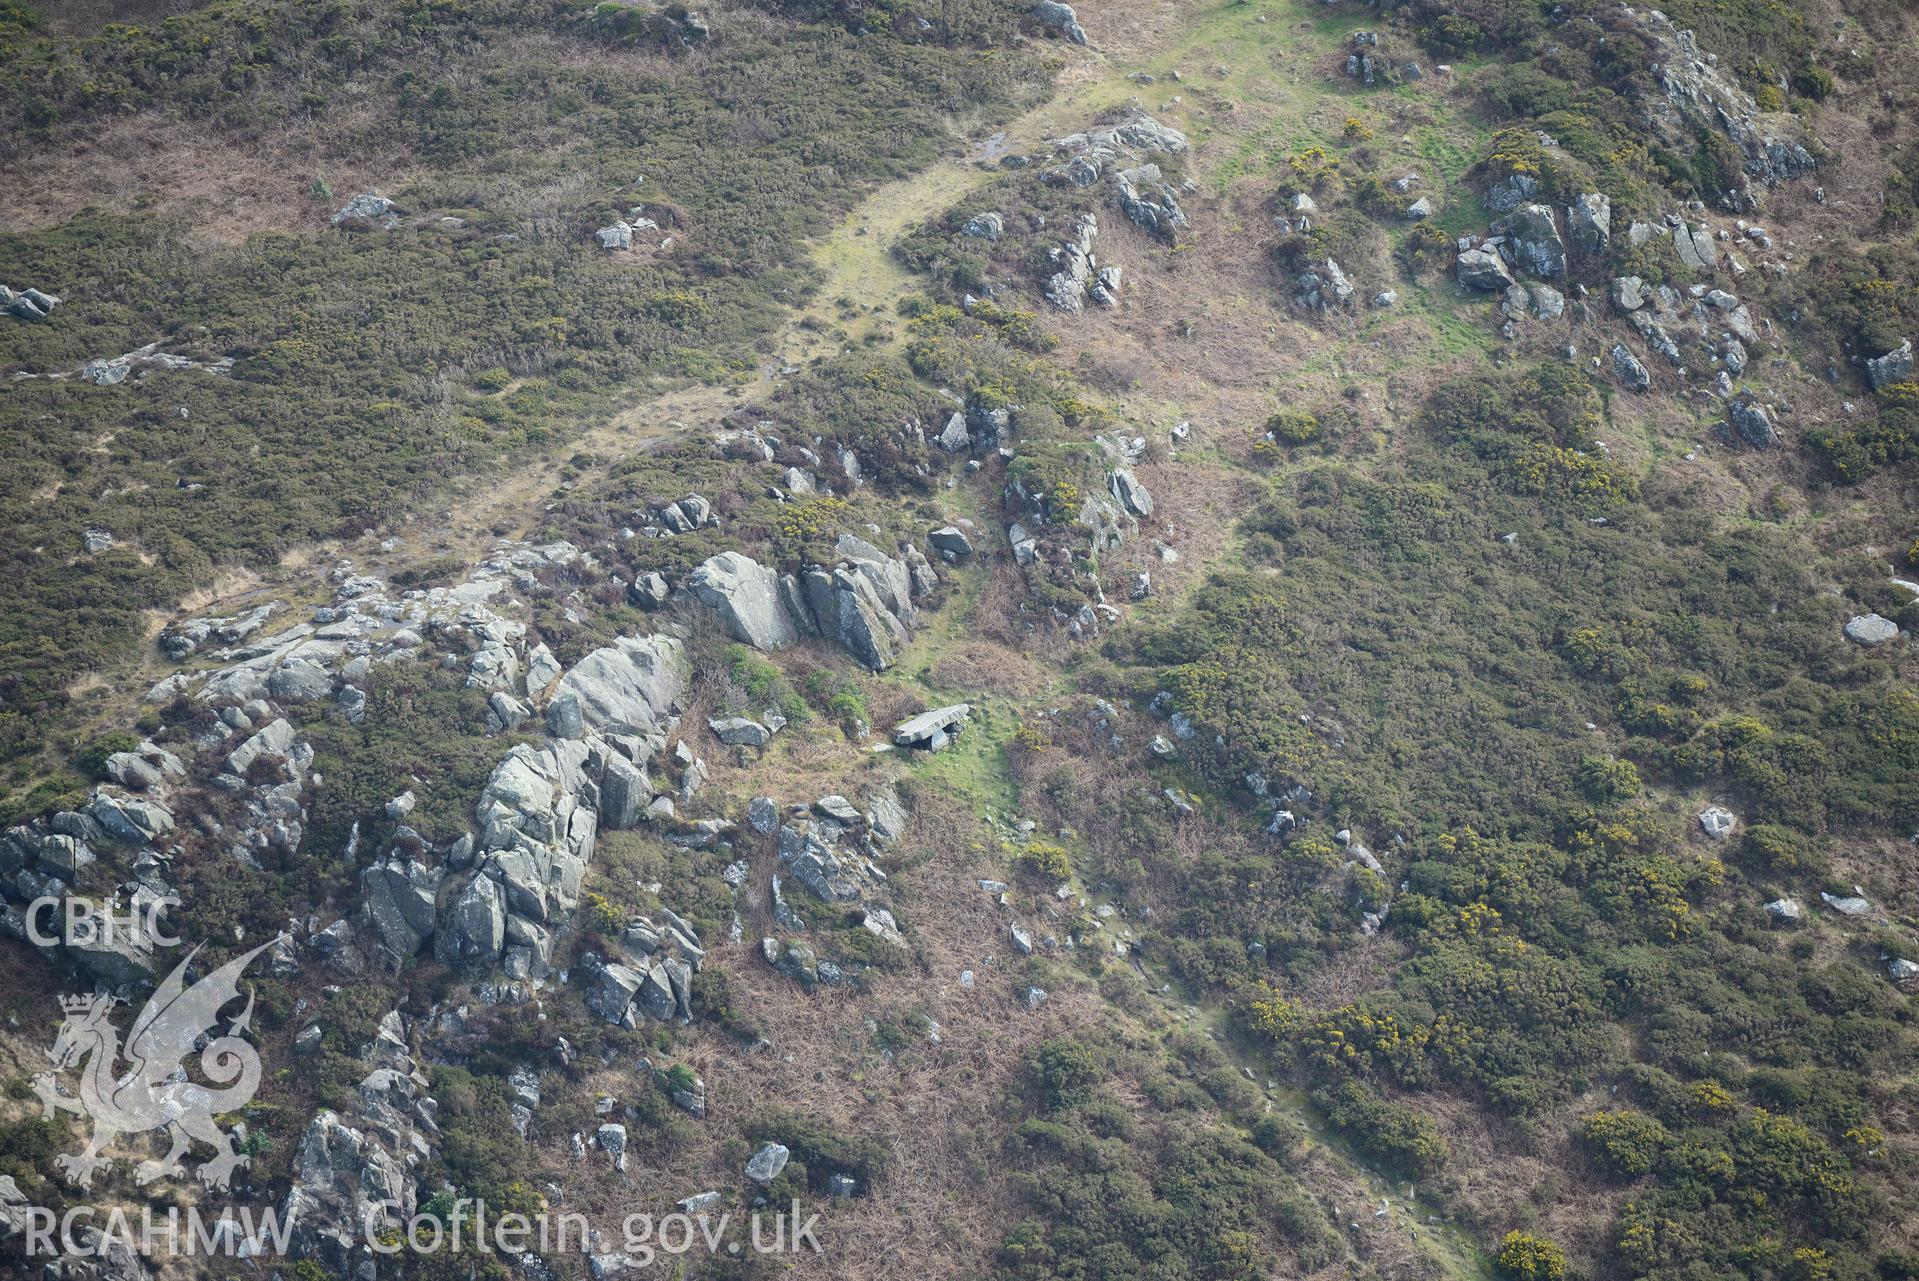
column 1629, row 369
column 471, row 930
column 333, row 650
column 1589, row 224
column 368, row 209
column 652, row 979
column 1534, row 240
column 1673, row 322
column 1694, row 244
column 1751, row 421
column 1364, row 63
column 355, row 1164
column 745, row 595
column 951, row 542
column 543, row 806
column 984, row 226
column 684, row 515
column 178, row 640
column 397, row 899
column 1139, row 190
column 1511, row 192
column 1700, row 96
column 1868, row 630
column 44, row 859
column 1324, row 287
column 1150, row 203
column 631, row 688
column 810, row 852
column 1067, row 287
column 1136, row 132
column 1132, row 495
column 766, row 1164
column 865, row 602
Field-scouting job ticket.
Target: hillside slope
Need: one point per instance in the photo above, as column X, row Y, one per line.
column 1174, row 639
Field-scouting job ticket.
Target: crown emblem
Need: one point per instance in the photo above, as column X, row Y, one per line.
column 79, row 1004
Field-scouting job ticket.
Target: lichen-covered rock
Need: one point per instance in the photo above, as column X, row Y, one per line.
column 1061, row 18
column 766, row 1164
column 1869, row 630
column 1150, row 203
column 951, row 541
column 1511, row 192
column 1893, row 367
column 984, row 226
column 1752, row 422
column 1695, row 246
column 368, row 207
column 745, row 595
column 397, row 897
column 1066, row 288
column 473, row 929
column 634, row 686
column 1629, row 369
column 1589, row 223
column 1133, row 495
column 1535, row 240
column 738, row 731
column 1482, row 268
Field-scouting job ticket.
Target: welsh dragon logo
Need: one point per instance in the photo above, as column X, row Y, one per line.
column 154, row 1091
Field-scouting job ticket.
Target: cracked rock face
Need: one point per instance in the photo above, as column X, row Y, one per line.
column 1589, row 223
column 632, row 686
column 1483, row 268
column 865, row 602
column 1066, row 288
column 1535, row 240
column 745, row 595
column 1629, row 369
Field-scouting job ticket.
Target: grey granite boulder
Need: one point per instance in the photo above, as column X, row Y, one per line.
column 632, row 686
column 1629, row 369
column 772, row 1157
column 1061, row 18
column 1535, row 240
column 737, row 731
column 1752, row 422
column 1893, row 367
column 1589, row 223
column 1869, row 630
column 1482, row 268
column 745, row 594
column 473, row 930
